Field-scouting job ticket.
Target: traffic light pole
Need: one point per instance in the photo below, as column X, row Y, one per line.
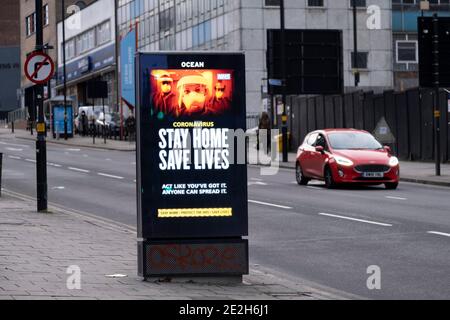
column 284, row 129
column 437, row 136
column 41, row 146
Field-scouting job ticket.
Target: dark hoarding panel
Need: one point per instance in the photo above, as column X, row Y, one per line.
column 338, row 111
column 295, row 122
column 192, row 177
column 329, row 112
column 402, row 121
column 348, row 111
column 427, row 132
column 414, row 123
column 390, row 116
column 378, row 104
column 369, row 112
column 358, row 110
column 312, row 123
column 192, row 258
column 320, row 112
column 303, row 118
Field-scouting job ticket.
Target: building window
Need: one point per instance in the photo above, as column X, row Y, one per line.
column 167, row 19
column 30, row 23
column 201, row 34
column 315, row 3
column 103, row 33
column 358, row 3
column 46, row 16
column 407, row 51
column 362, row 60
column 70, row 49
column 86, row 41
column 272, row 3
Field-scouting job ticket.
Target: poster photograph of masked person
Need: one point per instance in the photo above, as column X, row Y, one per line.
column 192, row 92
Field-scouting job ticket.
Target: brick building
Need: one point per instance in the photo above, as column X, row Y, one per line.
column 9, row 53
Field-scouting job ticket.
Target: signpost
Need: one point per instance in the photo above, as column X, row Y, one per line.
column 39, row 68
column 192, row 188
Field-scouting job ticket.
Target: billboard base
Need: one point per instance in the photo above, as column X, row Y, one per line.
column 200, row 260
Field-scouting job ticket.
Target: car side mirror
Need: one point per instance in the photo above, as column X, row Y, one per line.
column 387, row 149
column 320, row 149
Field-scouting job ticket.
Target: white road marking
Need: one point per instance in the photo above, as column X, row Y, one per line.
column 439, row 233
column 108, row 159
column 314, row 188
column 14, row 157
column 85, row 155
column 397, row 198
column 14, row 149
column 270, row 204
column 354, row 219
column 30, row 160
column 54, row 165
column 58, row 188
column 79, row 170
column 256, row 179
column 15, row 145
column 74, row 150
column 258, row 183
column 109, row 176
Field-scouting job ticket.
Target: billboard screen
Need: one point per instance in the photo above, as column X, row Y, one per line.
column 191, row 183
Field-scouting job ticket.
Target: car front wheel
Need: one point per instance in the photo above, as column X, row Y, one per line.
column 301, row 179
column 328, row 177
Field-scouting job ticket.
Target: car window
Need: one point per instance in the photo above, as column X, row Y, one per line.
column 353, row 140
column 312, row 138
column 321, row 141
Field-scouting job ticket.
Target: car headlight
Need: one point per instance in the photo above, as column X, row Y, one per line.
column 393, row 161
column 343, row 161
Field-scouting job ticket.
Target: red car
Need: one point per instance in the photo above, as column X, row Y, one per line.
column 340, row 156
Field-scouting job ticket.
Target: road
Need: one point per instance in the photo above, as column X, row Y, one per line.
column 325, row 237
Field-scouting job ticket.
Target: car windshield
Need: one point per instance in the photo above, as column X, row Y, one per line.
column 353, row 141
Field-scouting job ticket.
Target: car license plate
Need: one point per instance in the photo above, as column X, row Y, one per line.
column 373, row 174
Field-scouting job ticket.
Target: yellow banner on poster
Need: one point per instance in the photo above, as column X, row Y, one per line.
column 195, row 213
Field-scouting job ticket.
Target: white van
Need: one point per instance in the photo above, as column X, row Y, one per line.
column 92, row 113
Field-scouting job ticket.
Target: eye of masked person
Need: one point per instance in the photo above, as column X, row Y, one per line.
column 195, row 89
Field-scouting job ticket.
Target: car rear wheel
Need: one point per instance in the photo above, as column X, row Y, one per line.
column 328, row 177
column 391, row 186
column 301, row 179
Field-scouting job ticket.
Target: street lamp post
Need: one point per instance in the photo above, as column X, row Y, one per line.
column 63, row 11
column 284, row 129
column 355, row 43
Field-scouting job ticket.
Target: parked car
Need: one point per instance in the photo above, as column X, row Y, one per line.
column 340, row 156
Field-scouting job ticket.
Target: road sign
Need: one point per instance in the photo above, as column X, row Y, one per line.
column 39, row 68
column 383, row 132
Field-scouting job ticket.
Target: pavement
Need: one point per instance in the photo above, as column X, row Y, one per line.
column 40, row 252
column 76, row 141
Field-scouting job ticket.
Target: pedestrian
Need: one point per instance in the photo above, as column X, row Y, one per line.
column 264, row 124
column 131, row 126
column 84, row 124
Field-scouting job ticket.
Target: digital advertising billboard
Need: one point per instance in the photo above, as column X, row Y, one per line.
column 191, row 168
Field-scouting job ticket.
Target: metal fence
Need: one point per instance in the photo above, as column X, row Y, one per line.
column 409, row 115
